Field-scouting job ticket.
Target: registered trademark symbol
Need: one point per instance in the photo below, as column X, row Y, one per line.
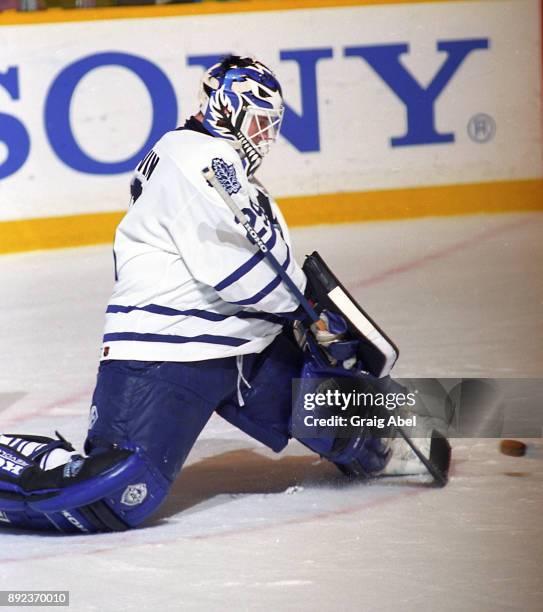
column 481, row 128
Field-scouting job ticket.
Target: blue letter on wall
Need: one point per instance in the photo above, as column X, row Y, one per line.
column 12, row 132
column 303, row 130
column 57, row 110
column 419, row 102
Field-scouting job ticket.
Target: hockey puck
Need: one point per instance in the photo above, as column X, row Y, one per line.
column 513, row 448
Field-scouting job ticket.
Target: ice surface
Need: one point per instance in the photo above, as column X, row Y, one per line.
column 245, row 529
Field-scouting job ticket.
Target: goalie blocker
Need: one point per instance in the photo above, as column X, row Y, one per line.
column 361, row 453
column 375, row 350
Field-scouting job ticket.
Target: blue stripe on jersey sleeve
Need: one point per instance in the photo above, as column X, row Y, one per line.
column 247, row 266
column 267, row 289
column 279, row 319
column 205, row 338
column 169, row 312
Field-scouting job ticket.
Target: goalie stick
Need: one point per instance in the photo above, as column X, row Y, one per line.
column 440, row 451
column 439, row 460
column 211, row 178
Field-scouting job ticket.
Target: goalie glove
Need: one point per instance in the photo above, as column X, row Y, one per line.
column 330, row 328
column 330, row 332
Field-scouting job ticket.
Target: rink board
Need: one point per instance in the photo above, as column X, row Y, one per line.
column 86, row 229
column 393, row 109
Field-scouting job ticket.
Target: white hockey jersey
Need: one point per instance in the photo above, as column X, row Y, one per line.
column 189, row 284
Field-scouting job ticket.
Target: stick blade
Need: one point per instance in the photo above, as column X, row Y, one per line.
column 440, row 458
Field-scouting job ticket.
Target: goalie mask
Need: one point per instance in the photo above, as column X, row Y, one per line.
column 241, row 101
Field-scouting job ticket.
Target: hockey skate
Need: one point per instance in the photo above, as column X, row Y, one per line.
column 433, row 456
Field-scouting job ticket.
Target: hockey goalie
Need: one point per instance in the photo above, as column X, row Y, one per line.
column 199, row 322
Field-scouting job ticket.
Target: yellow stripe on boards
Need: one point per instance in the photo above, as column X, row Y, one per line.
column 384, row 205
column 60, row 15
column 58, row 232
column 498, row 197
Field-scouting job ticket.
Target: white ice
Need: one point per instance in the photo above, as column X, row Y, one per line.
column 245, row 529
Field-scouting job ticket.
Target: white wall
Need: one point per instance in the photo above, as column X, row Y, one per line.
column 359, row 113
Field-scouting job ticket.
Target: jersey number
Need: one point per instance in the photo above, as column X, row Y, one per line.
column 143, row 173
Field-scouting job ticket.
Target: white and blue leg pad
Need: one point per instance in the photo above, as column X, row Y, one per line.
column 111, row 490
column 354, row 449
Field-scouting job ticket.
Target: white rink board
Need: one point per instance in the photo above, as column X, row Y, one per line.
column 359, row 113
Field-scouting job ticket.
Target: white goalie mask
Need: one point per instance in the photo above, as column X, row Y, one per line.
column 241, row 101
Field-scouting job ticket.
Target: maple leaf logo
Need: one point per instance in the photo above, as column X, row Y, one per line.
column 226, row 175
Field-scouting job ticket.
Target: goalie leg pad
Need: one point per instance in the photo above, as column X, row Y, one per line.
column 353, row 448
column 21, row 455
column 360, row 455
column 111, row 490
column 25, row 519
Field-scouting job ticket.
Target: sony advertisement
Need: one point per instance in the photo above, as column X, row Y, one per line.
column 377, row 97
